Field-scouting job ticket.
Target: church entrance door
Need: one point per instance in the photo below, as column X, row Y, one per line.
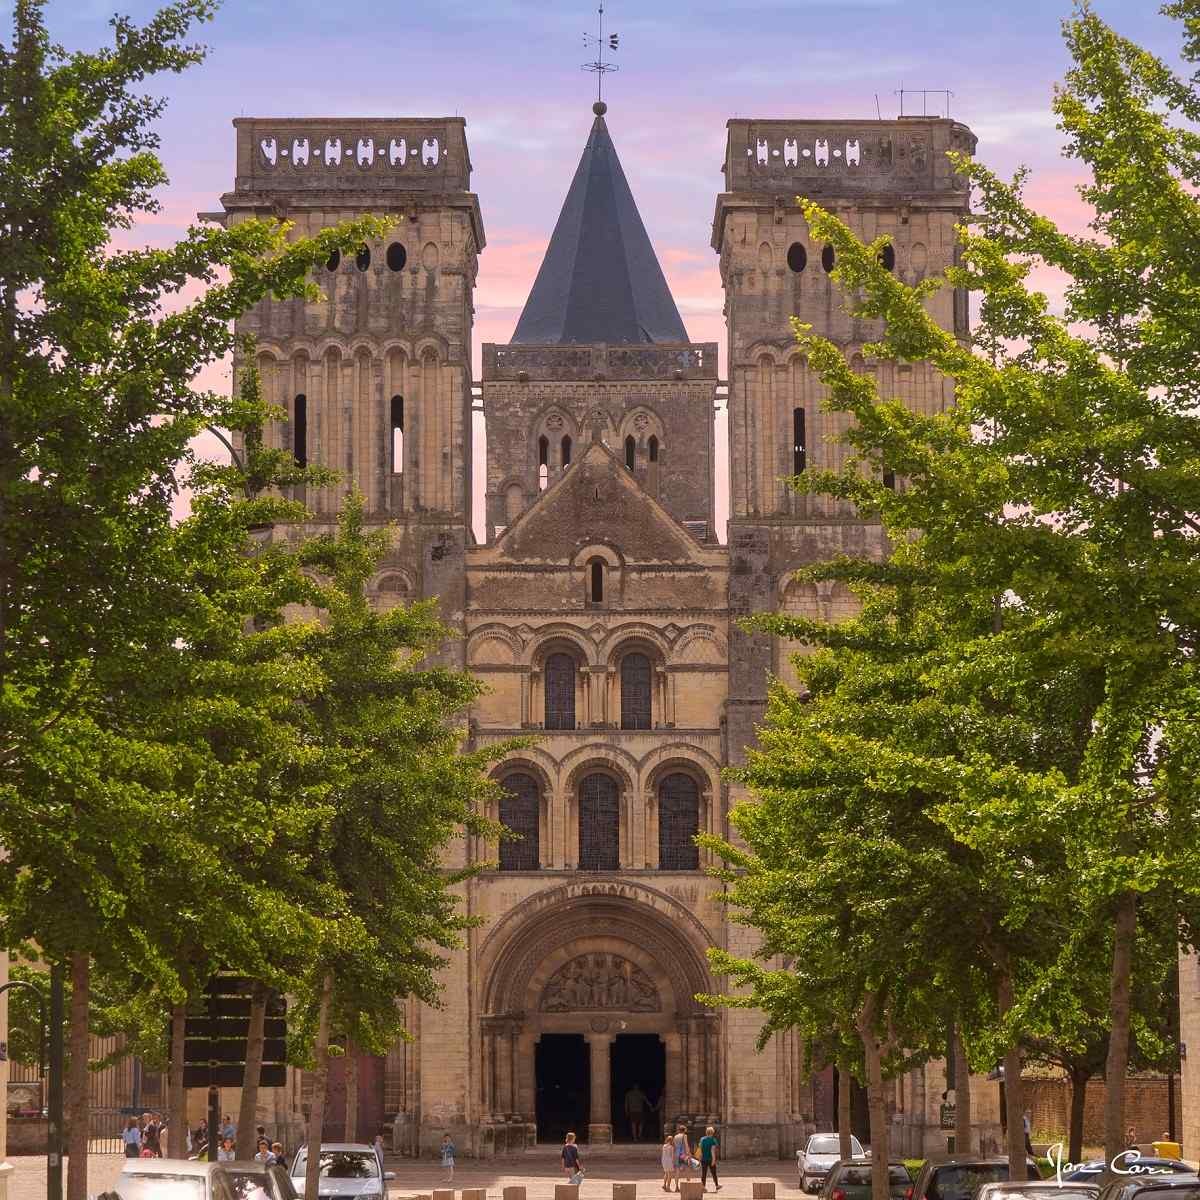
column 563, row 1080
column 639, row 1066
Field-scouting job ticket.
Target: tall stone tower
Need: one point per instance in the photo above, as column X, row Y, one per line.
column 880, row 177
column 376, row 379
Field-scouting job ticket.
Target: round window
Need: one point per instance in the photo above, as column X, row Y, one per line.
column 827, row 258
column 333, row 261
column 397, row 256
column 797, row 257
column 887, row 258
column 362, row 260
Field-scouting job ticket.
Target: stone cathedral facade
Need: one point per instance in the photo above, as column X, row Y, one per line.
column 600, row 609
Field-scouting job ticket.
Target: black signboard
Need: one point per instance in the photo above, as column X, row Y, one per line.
column 215, row 1036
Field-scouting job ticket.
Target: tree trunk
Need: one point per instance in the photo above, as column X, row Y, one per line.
column 78, row 1080
column 1079, row 1082
column 845, row 1097
column 1014, row 1093
column 248, row 1111
column 962, row 1096
column 876, row 1102
column 1117, row 1064
column 351, row 1060
column 177, row 1118
column 316, row 1112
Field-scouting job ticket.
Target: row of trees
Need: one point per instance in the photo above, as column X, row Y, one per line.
column 979, row 822
column 188, row 782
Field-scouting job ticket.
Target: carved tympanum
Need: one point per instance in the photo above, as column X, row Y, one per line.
column 600, row 981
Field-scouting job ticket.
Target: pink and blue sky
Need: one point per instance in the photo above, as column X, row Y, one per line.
column 512, row 69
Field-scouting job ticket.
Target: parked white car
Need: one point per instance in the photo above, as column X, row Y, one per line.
column 173, row 1179
column 819, row 1154
column 347, row 1169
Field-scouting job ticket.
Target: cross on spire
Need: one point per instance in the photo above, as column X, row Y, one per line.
column 600, row 68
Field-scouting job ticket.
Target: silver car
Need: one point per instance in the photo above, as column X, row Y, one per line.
column 819, row 1154
column 173, row 1179
column 346, row 1169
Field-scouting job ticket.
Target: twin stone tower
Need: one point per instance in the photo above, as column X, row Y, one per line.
column 600, row 610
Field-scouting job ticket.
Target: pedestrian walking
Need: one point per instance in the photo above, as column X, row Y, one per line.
column 131, row 1135
column 151, row 1136
column 683, row 1155
column 1027, row 1126
column 709, row 1145
column 668, row 1164
column 448, row 1157
column 572, row 1163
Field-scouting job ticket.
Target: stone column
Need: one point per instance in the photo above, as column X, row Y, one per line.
column 673, row 1103
column 600, row 1120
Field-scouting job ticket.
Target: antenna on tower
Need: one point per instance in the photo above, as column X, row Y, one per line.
column 600, row 68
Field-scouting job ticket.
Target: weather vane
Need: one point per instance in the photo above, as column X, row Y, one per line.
column 601, row 68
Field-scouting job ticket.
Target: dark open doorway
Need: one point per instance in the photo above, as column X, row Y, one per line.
column 563, row 1071
column 639, row 1061
column 860, row 1117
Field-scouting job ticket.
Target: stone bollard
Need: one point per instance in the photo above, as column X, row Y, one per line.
column 474, row 1194
column 514, row 1193
column 689, row 1189
column 566, row 1191
column 764, row 1190
column 624, row 1191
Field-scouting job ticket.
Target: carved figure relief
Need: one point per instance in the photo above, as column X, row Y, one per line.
column 600, row 981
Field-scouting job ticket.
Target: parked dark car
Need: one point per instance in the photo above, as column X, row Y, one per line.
column 256, row 1180
column 850, row 1179
column 961, row 1178
column 1152, row 1187
column 1131, row 1164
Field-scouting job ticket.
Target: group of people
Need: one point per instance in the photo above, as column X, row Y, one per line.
column 265, row 1150
column 143, row 1136
column 679, row 1163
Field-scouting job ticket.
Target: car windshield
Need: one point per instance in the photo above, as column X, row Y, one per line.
column 341, row 1164
column 161, row 1187
column 249, row 1185
column 823, row 1143
column 962, row 1182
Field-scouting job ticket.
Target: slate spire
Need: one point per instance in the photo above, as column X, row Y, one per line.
column 600, row 280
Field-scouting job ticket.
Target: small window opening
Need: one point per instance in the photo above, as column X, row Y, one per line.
column 827, row 258
column 630, row 452
column 597, row 588
column 333, row 261
column 798, row 447
column 362, row 260
column 653, row 449
column 566, row 452
column 543, row 462
column 797, row 257
column 397, row 435
column 300, row 431
column 397, row 256
column 887, row 258
column 889, row 480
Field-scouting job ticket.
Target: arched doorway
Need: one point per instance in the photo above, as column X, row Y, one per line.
column 591, row 1019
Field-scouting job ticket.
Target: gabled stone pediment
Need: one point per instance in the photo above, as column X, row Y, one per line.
column 598, row 501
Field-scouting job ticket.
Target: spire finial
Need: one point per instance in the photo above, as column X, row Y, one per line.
column 601, row 68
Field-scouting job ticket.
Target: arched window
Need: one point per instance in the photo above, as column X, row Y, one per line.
column 566, row 452
column 599, row 824
column 596, row 581
column 397, row 256
column 887, row 257
column 827, row 259
column 362, row 260
column 797, row 257
column 636, row 679
column 519, row 811
column 630, row 452
column 300, row 431
column 653, row 448
column 333, row 261
column 560, row 692
column 889, row 479
column 798, row 446
column 678, row 823
column 543, row 462
column 397, row 435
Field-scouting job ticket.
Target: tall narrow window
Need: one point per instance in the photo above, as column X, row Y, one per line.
column 519, row 811
column 543, row 462
column 636, row 677
column 566, row 452
column 300, row 431
column 889, row 479
column 596, row 582
column 653, row 448
column 599, row 824
column 397, row 435
column 560, row 692
column 630, row 452
column 678, row 823
column 797, row 441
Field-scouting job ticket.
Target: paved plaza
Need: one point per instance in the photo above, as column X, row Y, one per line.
column 537, row 1171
